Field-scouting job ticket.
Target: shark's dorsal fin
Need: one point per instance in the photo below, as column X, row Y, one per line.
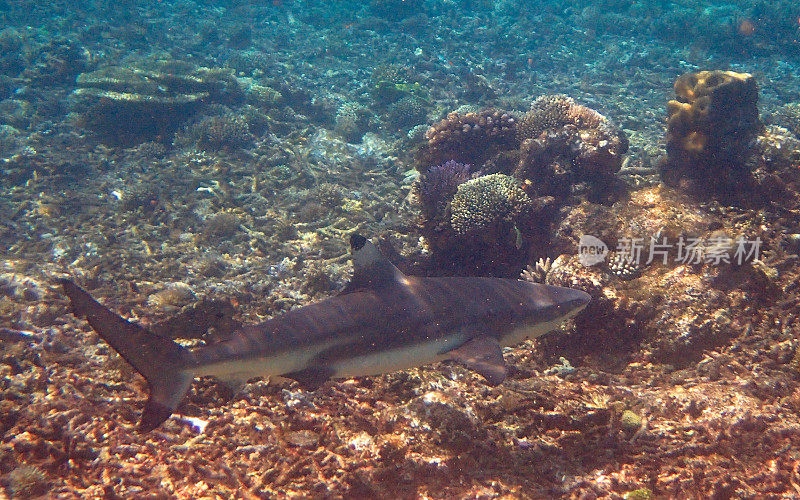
column 370, row 268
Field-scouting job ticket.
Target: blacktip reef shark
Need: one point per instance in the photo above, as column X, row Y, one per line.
column 383, row 321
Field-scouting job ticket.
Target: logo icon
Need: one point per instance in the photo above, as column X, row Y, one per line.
column 591, row 250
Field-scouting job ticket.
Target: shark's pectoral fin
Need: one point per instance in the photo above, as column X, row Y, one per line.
column 234, row 383
column 312, row 377
column 484, row 355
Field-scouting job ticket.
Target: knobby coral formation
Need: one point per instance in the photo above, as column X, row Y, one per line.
column 711, row 129
column 470, row 138
column 482, row 203
column 564, row 143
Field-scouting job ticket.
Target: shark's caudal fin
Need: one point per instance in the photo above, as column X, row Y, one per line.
column 159, row 360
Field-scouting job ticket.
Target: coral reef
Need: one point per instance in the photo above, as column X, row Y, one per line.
column 471, row 138
column 351, row 121
column 666, row 251
column 228, row 131
column 705, row 354
column 406, row 113
column 57, row 63
column 488, row 224
column 559, row 153
column 774, row 166
column 436, row 187
column 788, row 116
column 482, row 203
column 711, row 128
column 149, row 101
column 564, row 144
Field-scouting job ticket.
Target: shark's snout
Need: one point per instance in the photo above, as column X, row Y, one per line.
column 569, row 299
column 581, row 298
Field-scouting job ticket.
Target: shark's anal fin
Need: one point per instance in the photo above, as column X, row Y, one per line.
column 312, row 377
column 484, row 355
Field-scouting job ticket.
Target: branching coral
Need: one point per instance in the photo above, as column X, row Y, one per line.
column 436, row 187
column 468, row 138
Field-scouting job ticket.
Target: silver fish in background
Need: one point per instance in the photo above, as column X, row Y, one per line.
column 383, row 321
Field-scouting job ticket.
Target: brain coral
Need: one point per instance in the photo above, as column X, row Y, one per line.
column 711, row 128
column 482, row 202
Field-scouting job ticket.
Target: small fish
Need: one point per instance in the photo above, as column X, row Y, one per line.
column 383, row 321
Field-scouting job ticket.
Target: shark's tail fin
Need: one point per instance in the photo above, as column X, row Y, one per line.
column 161, row 361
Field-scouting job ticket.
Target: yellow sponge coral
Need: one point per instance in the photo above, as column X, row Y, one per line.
column 711, row 124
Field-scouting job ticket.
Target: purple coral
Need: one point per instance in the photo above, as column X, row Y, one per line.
column 436, row 187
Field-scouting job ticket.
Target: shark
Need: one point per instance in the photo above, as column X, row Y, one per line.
column 382, row 321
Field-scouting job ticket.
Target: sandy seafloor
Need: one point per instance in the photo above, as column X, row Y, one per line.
column 685, row 383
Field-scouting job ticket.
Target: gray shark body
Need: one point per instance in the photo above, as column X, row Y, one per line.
column 381, row 322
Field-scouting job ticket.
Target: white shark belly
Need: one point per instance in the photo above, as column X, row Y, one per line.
column 531, row 331
column 266, row 365
column 401, row 358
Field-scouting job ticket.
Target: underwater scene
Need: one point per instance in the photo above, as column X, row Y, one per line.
column 410, row 249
